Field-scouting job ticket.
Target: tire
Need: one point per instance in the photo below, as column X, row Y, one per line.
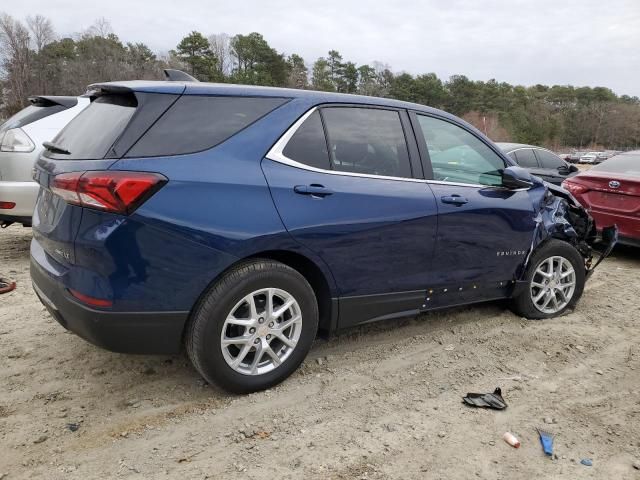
column 234, row 293
column 523, row 304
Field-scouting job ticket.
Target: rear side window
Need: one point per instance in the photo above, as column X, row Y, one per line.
column 367, row 140
column 549, row 160
column 526, row 158
column 308, row 144
column 195, row 123
column 89, row 136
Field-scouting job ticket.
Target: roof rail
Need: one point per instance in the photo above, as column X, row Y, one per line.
column 172, row 75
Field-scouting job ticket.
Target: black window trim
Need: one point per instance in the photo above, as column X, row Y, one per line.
column 424, row 151
column 275, row 153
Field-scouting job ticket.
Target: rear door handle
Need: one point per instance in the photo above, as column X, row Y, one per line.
column 314, row 190
column 454, row 199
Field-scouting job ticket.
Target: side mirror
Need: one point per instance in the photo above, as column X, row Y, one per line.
column 564, row 168
column 573, row 168
column 516, row 177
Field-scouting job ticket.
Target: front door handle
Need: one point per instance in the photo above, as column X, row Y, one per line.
column 454, row 199
column 315, row 190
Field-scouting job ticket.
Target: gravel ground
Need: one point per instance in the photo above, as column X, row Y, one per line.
column 381, row 401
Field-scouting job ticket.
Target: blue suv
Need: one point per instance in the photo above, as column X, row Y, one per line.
column 241, row 221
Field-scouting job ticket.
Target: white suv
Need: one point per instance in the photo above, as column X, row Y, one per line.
column 21, row 139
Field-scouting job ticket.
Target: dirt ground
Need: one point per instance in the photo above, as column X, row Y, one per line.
column 377, row 402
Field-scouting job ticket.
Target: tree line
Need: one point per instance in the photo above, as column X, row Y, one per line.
column 34, row 60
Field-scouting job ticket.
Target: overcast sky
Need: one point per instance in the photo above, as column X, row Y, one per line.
column 578, row 42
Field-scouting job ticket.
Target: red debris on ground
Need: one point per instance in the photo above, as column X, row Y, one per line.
column 6, row 285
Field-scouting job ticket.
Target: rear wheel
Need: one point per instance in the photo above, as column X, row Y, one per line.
column 254, row 327
column 555, row 281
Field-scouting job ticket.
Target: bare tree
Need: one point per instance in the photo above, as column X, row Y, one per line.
column 42, row 31
column 220, row 44
column 15, row 60
column 42, row 34
column 100, row 28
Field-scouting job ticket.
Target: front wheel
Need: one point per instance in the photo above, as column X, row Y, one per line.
column 555, row 280
column 254, row 327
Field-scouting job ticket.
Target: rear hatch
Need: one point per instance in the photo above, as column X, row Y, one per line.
column 93, row 141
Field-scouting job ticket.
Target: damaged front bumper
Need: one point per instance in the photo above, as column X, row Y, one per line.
column 559, row 215
column 609, row 240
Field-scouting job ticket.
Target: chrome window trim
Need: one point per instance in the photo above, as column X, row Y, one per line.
column 275, row 154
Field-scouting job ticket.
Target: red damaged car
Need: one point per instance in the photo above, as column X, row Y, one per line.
column 610, row 192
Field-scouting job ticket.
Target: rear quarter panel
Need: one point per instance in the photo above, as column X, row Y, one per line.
column 215, row 210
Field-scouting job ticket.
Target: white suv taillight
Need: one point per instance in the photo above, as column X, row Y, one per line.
column 16, row 140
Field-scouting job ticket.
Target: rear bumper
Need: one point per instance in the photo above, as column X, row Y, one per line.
column 628, row 225
column 23, row 194
column 124, row 332
column 629, row 241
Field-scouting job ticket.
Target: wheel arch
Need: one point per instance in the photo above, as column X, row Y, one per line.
column 321, row 282
column 311, row 271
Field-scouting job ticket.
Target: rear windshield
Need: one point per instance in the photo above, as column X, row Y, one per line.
column 195, row 123
column 626, row 164
column 89, row 136
column 29, row 115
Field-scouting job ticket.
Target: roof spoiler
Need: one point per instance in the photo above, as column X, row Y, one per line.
column 171, row 75
column 51, row 100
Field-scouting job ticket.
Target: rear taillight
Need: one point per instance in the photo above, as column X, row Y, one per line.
column 7, row 205
column 112, row 191
column 574, row 188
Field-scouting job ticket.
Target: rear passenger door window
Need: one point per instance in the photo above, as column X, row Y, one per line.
column 526, row 158
column 367, row 141
column 549, row 160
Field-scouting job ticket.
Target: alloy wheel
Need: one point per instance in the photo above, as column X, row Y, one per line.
column 261, row 331
column 553, row 284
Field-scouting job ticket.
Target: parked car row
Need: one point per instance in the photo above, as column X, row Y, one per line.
column 587, row 157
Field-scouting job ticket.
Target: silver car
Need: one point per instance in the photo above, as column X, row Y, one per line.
column 591, row 157
column 21, row 139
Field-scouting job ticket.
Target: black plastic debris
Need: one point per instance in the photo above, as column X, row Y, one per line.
column 73, row 426
column 486, row 400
